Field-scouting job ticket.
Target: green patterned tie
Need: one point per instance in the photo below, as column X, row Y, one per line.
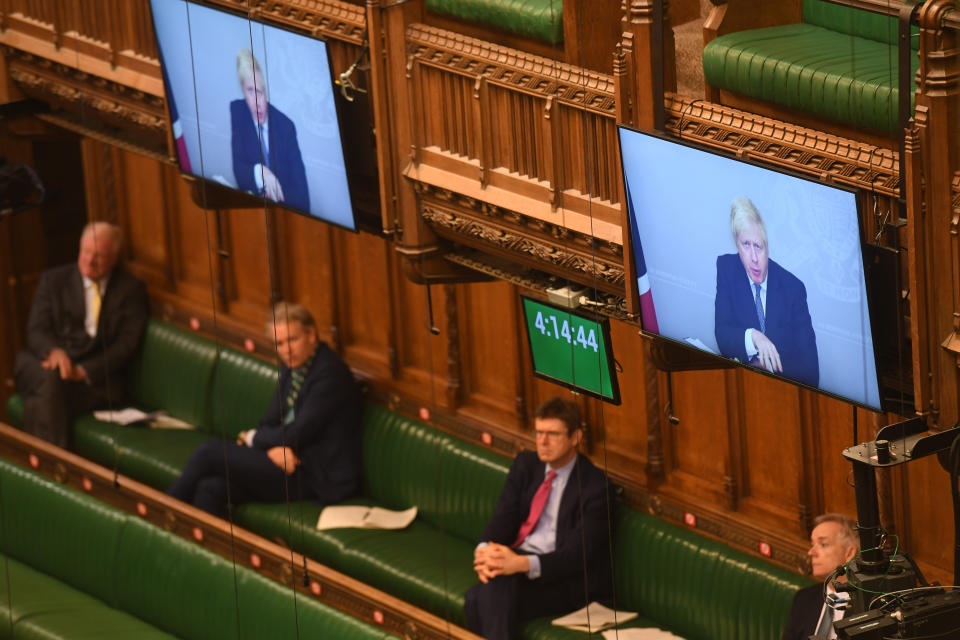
column 296, row 382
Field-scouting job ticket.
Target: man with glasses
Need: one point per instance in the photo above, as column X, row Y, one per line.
column 546, row 551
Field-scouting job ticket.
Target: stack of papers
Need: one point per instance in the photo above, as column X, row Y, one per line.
column 594, row 617
column 639, row 634
column 360, row 517
column 132, row 416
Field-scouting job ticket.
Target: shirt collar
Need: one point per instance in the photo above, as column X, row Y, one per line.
column 562, row 472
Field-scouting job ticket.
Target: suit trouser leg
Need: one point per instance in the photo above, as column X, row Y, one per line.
column 491, row 608
column 50, row 403
column 219, row 470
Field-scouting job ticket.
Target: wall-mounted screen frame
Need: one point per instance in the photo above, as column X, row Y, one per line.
column 698, row 278
column 253, row 107
column 571, row 349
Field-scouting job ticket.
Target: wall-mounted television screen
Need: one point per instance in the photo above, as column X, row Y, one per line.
column 571, row 349
column 253, row 108
column 754, row 265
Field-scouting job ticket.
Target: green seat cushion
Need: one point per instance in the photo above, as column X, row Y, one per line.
column 172, row 371
column 34, row 512
column 541, row 19
column 240, row 393
column 152, row 456
column 35, row 605
column 454, row 484
column 195, row 593
column 854, row 22
column 421, row 564
column 696, row 587
column 15, row 410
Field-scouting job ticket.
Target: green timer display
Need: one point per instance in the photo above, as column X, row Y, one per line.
column 570, row 349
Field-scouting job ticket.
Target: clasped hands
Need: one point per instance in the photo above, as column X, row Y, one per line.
column 271, row 185
column 283, row 457
column 767, row 355
column 58, row 359
column 496, row 559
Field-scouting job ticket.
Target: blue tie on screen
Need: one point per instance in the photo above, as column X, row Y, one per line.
column 763, row 327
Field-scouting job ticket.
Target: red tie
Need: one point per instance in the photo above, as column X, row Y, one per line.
column 536, row 508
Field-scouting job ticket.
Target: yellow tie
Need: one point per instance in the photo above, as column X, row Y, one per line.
column 95, row 302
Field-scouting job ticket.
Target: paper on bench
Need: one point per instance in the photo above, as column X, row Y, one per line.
column 361, row 517
column 600, row 617
column 650, row 633
column 131, row 415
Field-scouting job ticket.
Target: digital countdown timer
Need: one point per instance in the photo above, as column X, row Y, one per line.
column 571, row 349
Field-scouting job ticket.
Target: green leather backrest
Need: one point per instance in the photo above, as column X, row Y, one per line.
column 699, row 588
column 193, row 593
column 172, row 371
column 857, row 22
column 59, row 531
column 454, row 484
column 542, row 19
column 240, row 393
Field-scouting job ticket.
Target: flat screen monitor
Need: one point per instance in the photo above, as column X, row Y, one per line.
column 752, row 264
column 571, row 349
column 253, row 108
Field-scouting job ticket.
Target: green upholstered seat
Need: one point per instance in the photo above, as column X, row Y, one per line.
column 541, row 19
column 73, row 567
column 35, row 605
column 240, row 393
column 840, row 63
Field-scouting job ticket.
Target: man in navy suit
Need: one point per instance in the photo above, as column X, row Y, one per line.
column 266, row 155
column 307, row 445
column 761, row 314
column 85, row 323
column 833, row 542
column 546, row 551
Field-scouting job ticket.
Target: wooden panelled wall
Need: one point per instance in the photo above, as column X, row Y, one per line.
column 520, row 160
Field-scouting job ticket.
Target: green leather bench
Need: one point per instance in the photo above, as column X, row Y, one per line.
column 674, row 578
column 840, row 63
column 541, row 19
column 73, row 567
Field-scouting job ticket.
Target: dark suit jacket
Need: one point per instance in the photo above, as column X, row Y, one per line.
column 326, row 432
column 57, row 321
column 587, row 490
column 804, row 614
column 284, row 154
column 787, row 318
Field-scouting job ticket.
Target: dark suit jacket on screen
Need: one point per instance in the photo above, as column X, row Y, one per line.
column 325, row 433
column 787, row 318
column 284, row 154
column 57, row 321
column 564, row 566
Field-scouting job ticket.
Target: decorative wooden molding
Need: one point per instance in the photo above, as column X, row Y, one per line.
column 512, row 69
column 310, row 578
column 823, row 156
column 543, row 245
column 76, row 90
column 319, row 18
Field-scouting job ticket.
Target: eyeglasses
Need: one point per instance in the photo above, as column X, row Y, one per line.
column 549, row 435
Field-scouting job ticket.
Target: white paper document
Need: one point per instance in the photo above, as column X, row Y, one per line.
column 130, row 415
column 651, row 633
column 594, row 617
column 698, row 343
column 361, row 517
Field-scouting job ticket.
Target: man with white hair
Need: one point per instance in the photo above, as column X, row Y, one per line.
column 84, row 325
column 761, row 316
column 833, row 543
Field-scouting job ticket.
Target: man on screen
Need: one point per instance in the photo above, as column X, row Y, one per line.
column 266, row 156
column 761, row 314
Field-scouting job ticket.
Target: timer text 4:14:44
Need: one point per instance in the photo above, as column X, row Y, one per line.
column 549, row 327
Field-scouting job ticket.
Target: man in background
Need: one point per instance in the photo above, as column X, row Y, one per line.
column 84, row 325
column 308, row 443
column 546, row 551
column 760, row 311
column 266, row 155
column 833, row 542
